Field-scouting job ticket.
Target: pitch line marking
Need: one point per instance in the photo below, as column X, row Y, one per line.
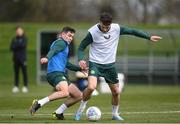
column 128, row 113
column 105, row 113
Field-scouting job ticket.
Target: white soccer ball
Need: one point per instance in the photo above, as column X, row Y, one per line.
column 93, row 113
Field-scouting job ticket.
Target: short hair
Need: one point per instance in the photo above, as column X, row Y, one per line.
column 18, row 26
column 106, row 18
column 68, row 29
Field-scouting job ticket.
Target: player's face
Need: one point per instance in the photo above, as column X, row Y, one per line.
column 19, row 31
column 104, row 28
column 68, row 36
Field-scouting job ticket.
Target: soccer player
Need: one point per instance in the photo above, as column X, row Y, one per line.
column 103, row 39
column 57, row 59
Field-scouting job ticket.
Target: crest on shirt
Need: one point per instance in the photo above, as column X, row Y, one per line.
column 107, row 36
column 63, row 78
column 92, row 72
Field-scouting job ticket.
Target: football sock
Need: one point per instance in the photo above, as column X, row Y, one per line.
column 61, row 109
column 115, row 110
column 82, row 106
column 43, row 101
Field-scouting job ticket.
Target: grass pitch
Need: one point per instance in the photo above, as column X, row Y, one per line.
column 139, row 104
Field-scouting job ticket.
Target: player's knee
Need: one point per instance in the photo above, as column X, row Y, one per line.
column 91, row 88
column 62, row 94
column 66, row 93
column 115, row 93
column 80, row 96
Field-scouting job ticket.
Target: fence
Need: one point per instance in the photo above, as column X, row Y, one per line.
column 151, row 67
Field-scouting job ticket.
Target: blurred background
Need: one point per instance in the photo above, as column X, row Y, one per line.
column 124, row 11
column 139, row 60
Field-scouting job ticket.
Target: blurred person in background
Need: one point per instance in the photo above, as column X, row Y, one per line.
column 103, row 39
column 18, row 47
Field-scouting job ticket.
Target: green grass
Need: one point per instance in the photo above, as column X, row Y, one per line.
column 139, row 104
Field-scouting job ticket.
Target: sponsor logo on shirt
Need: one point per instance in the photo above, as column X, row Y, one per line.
column 107, row 37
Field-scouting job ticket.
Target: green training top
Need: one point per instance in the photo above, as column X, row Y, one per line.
column 123, row 31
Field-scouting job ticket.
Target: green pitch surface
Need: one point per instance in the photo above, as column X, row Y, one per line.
column 139, row 104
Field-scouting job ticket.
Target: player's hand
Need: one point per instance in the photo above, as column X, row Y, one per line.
column 155, row 38
column 85, row 71
column 43, row 60
column 83, row 64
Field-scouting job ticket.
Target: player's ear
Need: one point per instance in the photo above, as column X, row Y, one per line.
column 100, row 23
column 62, row 34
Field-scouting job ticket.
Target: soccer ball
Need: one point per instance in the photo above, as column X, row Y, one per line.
column 93, row 113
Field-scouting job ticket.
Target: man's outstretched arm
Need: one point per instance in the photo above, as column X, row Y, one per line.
column 138, row 33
